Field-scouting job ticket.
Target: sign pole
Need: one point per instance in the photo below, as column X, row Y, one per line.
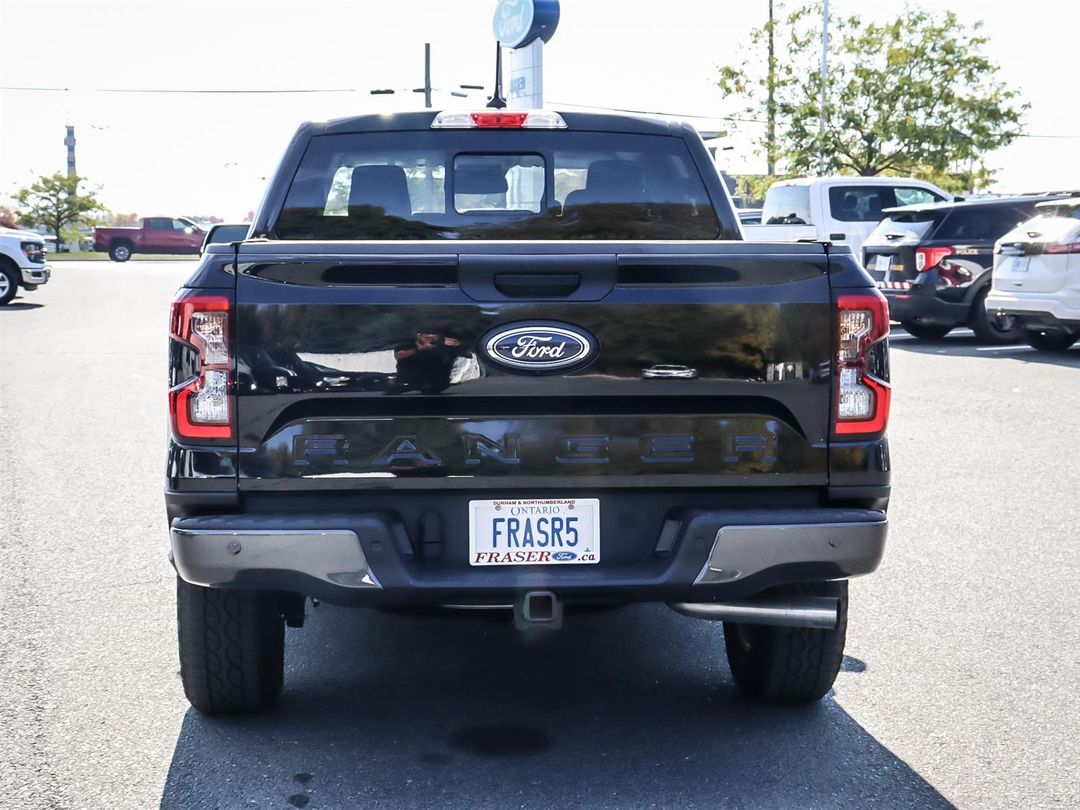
column 524, row 26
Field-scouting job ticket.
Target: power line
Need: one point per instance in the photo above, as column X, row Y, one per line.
column 298, row 90
column 197, row 91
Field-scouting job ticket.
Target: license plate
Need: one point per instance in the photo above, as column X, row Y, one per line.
column 881, row 263
column 545, row 531
column 1020, row 264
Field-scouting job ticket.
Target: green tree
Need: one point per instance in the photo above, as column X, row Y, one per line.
column 56, row 201
column 912, row 96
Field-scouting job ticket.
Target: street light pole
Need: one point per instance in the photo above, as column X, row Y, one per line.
column 427, row 75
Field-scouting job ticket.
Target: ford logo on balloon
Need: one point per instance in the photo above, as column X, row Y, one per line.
column 539, row 347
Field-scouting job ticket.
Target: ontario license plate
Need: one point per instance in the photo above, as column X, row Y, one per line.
column 544, row 531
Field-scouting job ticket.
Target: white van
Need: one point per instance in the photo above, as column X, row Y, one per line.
column 839, row 209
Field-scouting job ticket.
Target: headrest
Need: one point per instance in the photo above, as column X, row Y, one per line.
column 382, row 187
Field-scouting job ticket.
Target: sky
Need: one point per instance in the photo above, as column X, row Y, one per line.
column 209, row 154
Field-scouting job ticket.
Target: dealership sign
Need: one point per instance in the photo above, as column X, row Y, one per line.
column 519, row 22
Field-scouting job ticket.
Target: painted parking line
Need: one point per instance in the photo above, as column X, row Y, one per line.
column 1004, row 349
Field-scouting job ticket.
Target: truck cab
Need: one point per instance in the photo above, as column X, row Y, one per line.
column 841, row 210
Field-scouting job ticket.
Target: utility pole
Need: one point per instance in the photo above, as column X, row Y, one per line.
column 69, row 142
column 770, row 107
column 824, row 81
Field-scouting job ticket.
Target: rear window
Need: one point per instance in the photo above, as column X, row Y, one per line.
column 980, row 223
column 1058, row 211
column 904, row 228
column 1050, row 225
column 497, row 185
column 787, row 205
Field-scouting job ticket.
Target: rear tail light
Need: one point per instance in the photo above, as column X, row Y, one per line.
column 499, row 119
column 1062, row 247
column 928, row 258
column 862, row 364
column 201, row 406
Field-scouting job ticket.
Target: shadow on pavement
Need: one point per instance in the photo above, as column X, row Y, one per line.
column 16, row 305
column 633, row 707
column 967, row 346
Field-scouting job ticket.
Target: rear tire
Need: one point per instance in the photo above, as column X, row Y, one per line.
column 788, row 664
column 924, row 331
column 232, row 648
column 990, row 328
column 120, row 251
column 1050, row 341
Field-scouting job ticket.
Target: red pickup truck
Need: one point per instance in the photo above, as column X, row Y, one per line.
column 156, row 235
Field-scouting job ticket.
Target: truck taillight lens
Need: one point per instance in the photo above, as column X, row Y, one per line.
column 862, row 364
column 201, row 406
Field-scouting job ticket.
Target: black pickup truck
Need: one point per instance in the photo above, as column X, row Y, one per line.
column 520, row 360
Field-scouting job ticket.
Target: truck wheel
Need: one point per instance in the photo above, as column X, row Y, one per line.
column 1050, row 341
column 232, row 648
column 120, row 251
column 990, row 328
column 924, row 331
column 9, row 283
column 788, row 664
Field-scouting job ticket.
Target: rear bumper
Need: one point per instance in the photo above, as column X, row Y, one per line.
column 369, row 558
column 1035, row 309
column 921, row 305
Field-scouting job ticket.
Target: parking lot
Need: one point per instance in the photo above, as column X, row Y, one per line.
column 963, row 651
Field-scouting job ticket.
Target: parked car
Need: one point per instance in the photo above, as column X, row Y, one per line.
column 155, row 235
column 224, row 233
column 933, row 264
column 486, row 393
column 842, row 210
column 1036, row 277
column 22, row 262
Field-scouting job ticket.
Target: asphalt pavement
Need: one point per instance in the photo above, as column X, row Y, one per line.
column 959, row 685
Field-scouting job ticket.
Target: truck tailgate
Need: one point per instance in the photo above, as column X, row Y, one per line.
column 369, row 365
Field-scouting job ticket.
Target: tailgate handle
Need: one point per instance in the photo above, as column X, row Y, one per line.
column 837, row 237
column 537, row 284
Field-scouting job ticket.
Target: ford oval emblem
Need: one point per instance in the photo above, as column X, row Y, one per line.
column 563, row 556
column 538, row 347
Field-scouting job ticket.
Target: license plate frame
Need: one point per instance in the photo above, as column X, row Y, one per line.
column 573, row 522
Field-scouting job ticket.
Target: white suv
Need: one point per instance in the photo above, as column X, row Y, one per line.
column 1037, row 275
column 22, row 263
